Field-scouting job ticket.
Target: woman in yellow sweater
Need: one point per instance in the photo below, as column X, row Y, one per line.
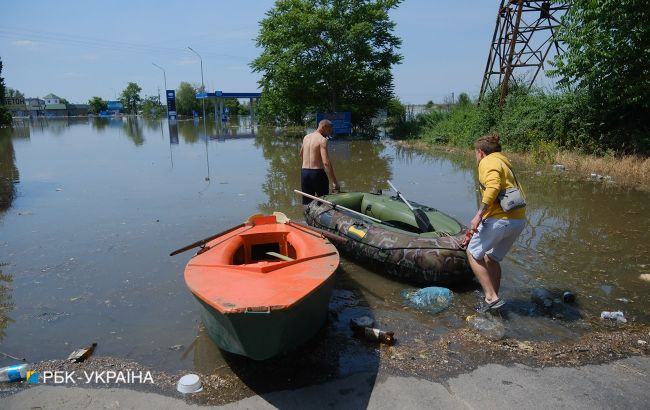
column 495, row 230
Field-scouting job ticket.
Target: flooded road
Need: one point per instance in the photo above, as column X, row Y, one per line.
column 90, row 209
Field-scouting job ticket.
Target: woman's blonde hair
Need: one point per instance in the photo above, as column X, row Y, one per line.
column 488, row 143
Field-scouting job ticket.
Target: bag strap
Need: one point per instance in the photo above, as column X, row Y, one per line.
column 513, row 173
column 511, row 170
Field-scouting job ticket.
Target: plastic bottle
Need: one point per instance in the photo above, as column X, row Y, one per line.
column 13, row 373
column 376, row 335
column 568, row 297
column 433, row 299
column 617, row 316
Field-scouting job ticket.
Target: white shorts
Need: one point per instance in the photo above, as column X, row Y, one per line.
column 495, row 237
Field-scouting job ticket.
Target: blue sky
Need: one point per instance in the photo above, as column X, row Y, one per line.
column 78, row 49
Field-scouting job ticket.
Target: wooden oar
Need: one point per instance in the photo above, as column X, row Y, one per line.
column 204, row 241
column 283, row 219
column 420, row 217
column 334, row 206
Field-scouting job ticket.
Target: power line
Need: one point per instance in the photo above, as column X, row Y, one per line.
column 73, row 40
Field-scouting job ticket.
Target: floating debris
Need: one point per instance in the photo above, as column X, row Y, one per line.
column 190, row 383
column 559, row 167
column 176, row 347
column 375, row 335
column 617, row 316
column 80, row 355
column 568, row 297
column 432, row 299
column 13, row 373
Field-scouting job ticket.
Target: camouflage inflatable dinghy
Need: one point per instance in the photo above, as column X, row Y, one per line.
column 396, row 245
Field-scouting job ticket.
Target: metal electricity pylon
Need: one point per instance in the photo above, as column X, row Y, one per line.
column 523, row 37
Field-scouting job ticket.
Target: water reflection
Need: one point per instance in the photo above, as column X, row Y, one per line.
column 8, row 172
column 359, row 166
column 91, row 245
column 6, row 304
column 132, row 126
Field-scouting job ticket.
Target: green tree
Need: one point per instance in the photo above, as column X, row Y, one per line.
column 464, row 100
column 186, row 99
column 5, row 116
column 11, row 93
column 326, row 55
column 607, row 58
column 151, row 107
column 130, row 98
column 97, row 105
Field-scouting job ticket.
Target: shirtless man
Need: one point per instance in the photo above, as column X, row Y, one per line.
column 316, row 165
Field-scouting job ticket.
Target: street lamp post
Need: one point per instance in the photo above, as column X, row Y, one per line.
column 202, row 84
column 165, row 78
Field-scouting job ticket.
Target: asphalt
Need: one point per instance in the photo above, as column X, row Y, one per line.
column 621, row 384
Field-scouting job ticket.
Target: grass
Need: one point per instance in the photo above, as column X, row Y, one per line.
column 626, row 170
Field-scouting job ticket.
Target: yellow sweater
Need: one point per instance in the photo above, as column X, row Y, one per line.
column 494, row 175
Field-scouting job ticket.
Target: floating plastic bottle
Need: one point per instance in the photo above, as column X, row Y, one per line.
column 13, row 373
column 617, row 316
column 432, row 299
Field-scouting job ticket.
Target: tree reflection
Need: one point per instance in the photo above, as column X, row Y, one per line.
column 189, row 131
column 361, row 165
column 133, row 129
column 8, row 171
column 100, row 123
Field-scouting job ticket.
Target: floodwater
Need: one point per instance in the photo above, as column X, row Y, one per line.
column 91, row 208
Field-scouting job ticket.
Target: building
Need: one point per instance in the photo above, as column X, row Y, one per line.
column 35, row 107
column 114, row 107
column 52, row 99
column 16, row 106
column 76, row 110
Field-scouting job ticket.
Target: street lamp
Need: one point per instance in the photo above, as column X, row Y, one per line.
column 164, row 75
column 165, row 78
column 202, row 85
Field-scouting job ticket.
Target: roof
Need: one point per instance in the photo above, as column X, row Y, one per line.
column 51, row 96
column 55, row 107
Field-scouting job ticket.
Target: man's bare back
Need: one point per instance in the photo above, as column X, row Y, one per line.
column 312, row 144
column 314, row 155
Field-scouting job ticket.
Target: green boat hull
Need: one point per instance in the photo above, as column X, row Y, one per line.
column 262, row 335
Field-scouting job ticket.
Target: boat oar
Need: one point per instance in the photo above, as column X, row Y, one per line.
column 334, row 206
column 203, row 241
column 420, row 217
column 283, row 219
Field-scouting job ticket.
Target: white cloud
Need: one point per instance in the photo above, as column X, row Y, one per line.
column 187, row 61
column 25, row 43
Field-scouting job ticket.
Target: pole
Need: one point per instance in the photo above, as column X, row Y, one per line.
column 202, row 84
column 165, row 80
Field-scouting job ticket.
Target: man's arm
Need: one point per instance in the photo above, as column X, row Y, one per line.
column 327, row 165
column 302, row 149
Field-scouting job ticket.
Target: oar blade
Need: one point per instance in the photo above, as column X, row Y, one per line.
column 422, row 220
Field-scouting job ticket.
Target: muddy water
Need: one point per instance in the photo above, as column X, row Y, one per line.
column 90, row 209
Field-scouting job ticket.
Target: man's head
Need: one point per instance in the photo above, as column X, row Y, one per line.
column 486, row 145
column 325, row 128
